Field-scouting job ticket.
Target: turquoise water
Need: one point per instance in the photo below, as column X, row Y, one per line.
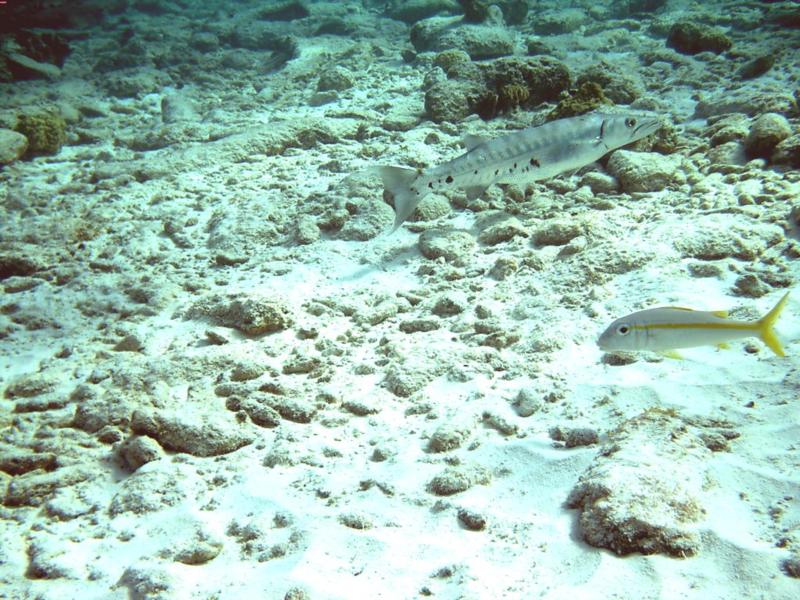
column 224, row 375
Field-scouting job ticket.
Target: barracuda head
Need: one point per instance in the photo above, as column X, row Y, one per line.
column 620, row 130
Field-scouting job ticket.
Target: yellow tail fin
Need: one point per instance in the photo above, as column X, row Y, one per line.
column 766, row 323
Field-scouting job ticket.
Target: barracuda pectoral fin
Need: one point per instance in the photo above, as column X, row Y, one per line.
column 723, row 346
column 673, row 354
column 475, row 191
column 473, row 141
column 399, row 182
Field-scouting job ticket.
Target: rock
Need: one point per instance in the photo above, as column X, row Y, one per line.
column 33, row 488
column 574, row 437
column 472, row 520
column 46, row 132
column 204, row 41
column 335, row 79
column 690, row 38
column 648, row 503
column 646, row 171
column 20, row 67
column 556, row 22
column 419, row 325
column 29, row 386
column 411, row 11
column 746, row 101
column 765, row 134
column 289, row 10
column 618, row 86
column 557, row 232
column 17, row 265
column 202, row 547
column 137, row 451
column 151, row 581
column 356, row 521
column 291, row 409
column 454, row 480
column 729, row 153
column 450, row 304
column 715, row 240
column 252, row 316
column 502, row 230
column 307, row 231
column 12, row 146
column 447, row 33
column 788, row 152
column 449, row 436
column 455, row 247
column 18, row 462
column 452, row 100
column 527, row 403
column 194, row 434
column 92, row 415
column 161, row 485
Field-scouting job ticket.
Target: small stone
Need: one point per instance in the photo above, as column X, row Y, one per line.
column 500, row 424
column 355, row 521
column 448, row 437
column 472, row 520
column 527, row 403
column 137, row 451
column 450, row 304
column 130, row 343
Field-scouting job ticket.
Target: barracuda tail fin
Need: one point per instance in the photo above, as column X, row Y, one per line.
column 398, row 181
column 766, row 323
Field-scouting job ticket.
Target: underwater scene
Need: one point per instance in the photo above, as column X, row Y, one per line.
column 372, row 299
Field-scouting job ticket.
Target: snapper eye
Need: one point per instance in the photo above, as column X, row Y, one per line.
column 630, row 122
column 623, row 329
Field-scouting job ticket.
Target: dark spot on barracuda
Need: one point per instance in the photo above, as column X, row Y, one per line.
column 449, row 179
column 535, row 163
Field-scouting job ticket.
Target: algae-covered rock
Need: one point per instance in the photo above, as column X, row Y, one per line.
column 544, row 79
column 619, row 86
column 588, row 97
column 689, row 38
column 46, row 132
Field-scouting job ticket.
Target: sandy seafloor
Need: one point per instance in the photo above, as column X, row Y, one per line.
column 222, row 378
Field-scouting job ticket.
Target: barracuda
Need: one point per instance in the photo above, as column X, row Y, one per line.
column 520, row 157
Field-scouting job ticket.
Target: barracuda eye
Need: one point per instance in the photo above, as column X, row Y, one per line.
column 630, row 122
column 624, row 329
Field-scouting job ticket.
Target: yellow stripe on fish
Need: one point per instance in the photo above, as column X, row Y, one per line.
column 670, row 328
